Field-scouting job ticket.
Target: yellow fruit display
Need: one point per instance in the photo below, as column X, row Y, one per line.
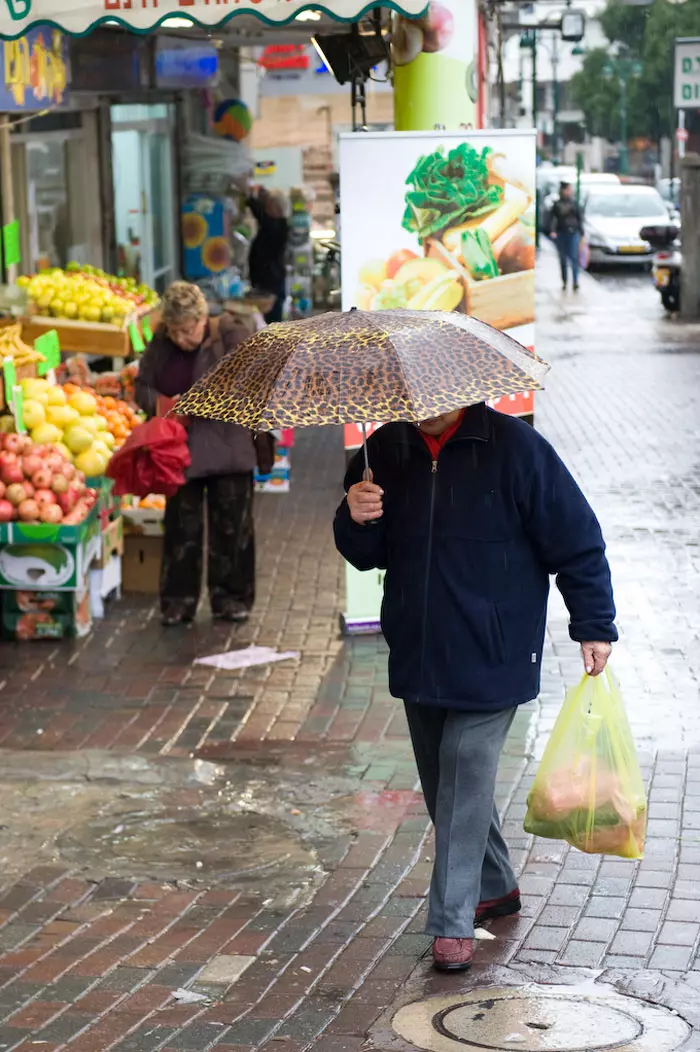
column 56, row 395
column 63, row 449
column 84, row 402
column 34, row 413
column 61, row 415
column 77, row 438
column 91, row 462
column 89, row 423
column 46, row 434
column 84, row 293
column 36, row 389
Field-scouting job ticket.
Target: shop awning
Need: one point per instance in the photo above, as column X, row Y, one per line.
column 78, row 17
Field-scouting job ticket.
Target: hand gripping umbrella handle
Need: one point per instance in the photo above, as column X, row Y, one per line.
column 367, row 472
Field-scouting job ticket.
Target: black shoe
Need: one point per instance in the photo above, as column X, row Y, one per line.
column 564, row 287
column 576, row 287
column 235, row 612
column 176, row 615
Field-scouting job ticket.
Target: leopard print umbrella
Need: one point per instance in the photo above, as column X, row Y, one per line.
column 363, row 365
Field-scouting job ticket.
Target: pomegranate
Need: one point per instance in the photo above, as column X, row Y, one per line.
column 28, row 511
column 16, row 493
column 31, row 463
column 59, row 483
column 28, row 489
column 14, row 443
column 42, row 478
column 44, row 496
column 69, row 470
column 7, row 458
column 7, row 511
column 12, row 473
column 50, row 513
column 2, row 490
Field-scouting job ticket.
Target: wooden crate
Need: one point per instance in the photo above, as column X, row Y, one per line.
column 84, row 337
column 504, row 302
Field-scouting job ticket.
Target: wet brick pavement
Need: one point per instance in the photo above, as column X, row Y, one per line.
column 89, row 959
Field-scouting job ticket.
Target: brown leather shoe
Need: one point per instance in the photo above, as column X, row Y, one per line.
column 502, row 907
column 453, row 955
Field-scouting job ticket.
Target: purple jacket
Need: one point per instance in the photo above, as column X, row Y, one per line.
column 216, row 448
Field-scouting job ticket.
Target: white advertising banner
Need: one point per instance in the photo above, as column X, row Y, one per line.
column 440, row 221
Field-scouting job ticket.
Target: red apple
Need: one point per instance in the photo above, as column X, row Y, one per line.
column 16, row 493
column 45, row 496
column 7, row 511
column 42, row 478
column 438, row 27
column 55, row 462
column 28, row 511
column 12, row 473
column 31, row 463
column 50, row 513
column 14, row 443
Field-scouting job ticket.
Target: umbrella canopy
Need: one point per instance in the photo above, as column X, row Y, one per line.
column 78, row 17
column 363, row 365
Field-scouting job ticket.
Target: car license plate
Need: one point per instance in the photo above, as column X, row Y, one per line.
column 633, row 250
column 663, row 278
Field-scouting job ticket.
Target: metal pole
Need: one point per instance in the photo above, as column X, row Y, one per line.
column 501, row 80
column 624, row 166
column 680, row 139
column 555, row 86
column 534, row 79
column 8, row 197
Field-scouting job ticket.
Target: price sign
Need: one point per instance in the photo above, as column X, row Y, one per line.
column 9, row 373
column 49, row 345
column 136, row 339
column 18, row 409
column 146, row 330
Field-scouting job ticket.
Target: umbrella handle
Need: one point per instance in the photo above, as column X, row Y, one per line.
column 367, row 473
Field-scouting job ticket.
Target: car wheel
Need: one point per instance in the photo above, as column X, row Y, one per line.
column 670, row 300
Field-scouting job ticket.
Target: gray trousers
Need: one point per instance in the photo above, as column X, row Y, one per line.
column 457, row 755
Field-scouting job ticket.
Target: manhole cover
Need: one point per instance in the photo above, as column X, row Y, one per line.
column 540, row 1019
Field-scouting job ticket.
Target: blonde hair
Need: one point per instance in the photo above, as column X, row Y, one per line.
column 183, row 302
column 278, row 204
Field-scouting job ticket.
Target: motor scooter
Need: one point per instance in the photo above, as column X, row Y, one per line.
column 666, row 264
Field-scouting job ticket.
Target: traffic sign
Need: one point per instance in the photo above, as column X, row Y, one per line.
column 686, row 75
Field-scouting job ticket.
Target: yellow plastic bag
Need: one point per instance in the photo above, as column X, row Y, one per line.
column 588, row 790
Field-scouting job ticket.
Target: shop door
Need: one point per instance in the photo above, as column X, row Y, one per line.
column 143, row 200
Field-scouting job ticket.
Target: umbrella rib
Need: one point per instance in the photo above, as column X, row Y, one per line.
column 398, row 359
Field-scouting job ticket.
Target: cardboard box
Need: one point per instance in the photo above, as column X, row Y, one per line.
column 112, row 541
column 105, row 582
column 32, row 565
column 144, row 522
column 46, row 615
column 141, row 564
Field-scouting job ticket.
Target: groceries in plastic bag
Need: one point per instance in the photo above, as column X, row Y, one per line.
column 589, row 790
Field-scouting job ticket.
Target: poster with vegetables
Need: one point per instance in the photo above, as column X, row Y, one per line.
column 442, row 221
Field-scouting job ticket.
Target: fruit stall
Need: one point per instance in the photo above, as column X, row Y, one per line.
column 93, row 312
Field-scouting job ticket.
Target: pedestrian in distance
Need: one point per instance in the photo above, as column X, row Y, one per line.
column 186, row 345
column 267, row 261
column 566, row 230
column 470, row 514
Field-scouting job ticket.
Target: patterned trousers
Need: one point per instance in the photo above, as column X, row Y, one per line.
column 231, row 544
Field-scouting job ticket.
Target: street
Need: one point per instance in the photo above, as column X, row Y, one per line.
column 195, row 859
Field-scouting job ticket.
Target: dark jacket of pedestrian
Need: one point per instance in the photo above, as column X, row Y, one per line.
column 267, row 259
column 566, row 217
column 165, row 370
column 469, row 542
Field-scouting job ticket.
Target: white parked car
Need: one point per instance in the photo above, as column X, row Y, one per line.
column 612, row 219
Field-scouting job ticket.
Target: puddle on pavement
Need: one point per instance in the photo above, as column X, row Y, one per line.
column 538, row 1018
column 174, row 819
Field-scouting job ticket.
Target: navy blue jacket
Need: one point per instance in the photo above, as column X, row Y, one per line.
column 468, row 543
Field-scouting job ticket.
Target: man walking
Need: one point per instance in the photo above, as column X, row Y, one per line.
column 566, row 230
column 470, row 514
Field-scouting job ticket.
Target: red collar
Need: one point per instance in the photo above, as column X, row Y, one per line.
column 435, row 444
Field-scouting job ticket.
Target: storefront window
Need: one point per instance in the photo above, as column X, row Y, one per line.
column 47, row 198
column 142, row 163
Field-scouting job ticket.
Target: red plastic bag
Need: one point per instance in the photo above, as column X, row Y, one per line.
column 152, row 460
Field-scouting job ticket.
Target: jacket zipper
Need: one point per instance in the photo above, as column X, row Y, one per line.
column 433, row 473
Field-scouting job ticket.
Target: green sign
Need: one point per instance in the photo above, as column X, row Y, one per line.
column 18, row 409
column 147, row 330
column 136, row 339
column 49, row 345
column 10, row 243
column 9, row 373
